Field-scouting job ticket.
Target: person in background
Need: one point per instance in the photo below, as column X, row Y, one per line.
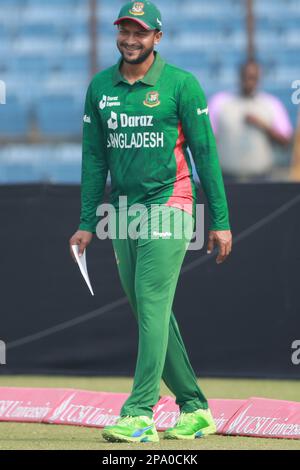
column 248, row 128
column 295, row 166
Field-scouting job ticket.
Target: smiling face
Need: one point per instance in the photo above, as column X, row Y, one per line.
column 136, row 43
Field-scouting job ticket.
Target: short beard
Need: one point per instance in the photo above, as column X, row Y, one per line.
column 141, row 59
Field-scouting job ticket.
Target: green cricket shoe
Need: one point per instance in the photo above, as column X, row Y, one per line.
column 132, row 429
column 193, row 425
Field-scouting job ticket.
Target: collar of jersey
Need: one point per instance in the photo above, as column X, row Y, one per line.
column 151, row 76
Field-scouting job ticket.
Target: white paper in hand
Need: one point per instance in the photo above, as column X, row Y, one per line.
column 81, row 261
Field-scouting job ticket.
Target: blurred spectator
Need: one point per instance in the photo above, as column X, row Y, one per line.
column 295, row 167
column 248, row 126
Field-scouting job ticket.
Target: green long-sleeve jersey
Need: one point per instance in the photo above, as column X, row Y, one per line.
column 140, row 133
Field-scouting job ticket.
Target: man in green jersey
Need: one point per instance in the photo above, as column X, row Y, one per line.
column 140, row 116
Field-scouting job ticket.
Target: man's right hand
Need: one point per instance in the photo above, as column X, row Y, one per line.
column 82, row 238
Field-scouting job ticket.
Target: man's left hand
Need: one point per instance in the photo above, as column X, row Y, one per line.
column 223, row 239
column 256, row 121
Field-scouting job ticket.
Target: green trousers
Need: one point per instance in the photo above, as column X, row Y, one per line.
column 149, row 263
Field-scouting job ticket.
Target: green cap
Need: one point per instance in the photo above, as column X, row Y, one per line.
column 144, row 13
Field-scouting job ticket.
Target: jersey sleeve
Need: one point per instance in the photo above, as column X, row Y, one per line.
column 94, row 167
column 194, row 117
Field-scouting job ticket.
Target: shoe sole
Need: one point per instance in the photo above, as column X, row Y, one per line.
column 119, row 438
column 197, row 435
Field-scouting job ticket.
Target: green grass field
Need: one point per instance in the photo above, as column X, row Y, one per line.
column 50, row 437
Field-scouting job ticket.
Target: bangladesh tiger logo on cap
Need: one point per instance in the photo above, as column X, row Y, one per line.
column 152, row 99
column 137, row 8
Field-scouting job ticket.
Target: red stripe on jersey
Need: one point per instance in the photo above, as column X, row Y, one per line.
column 182, row 196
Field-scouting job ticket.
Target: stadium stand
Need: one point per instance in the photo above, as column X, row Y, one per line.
column 45, row 60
